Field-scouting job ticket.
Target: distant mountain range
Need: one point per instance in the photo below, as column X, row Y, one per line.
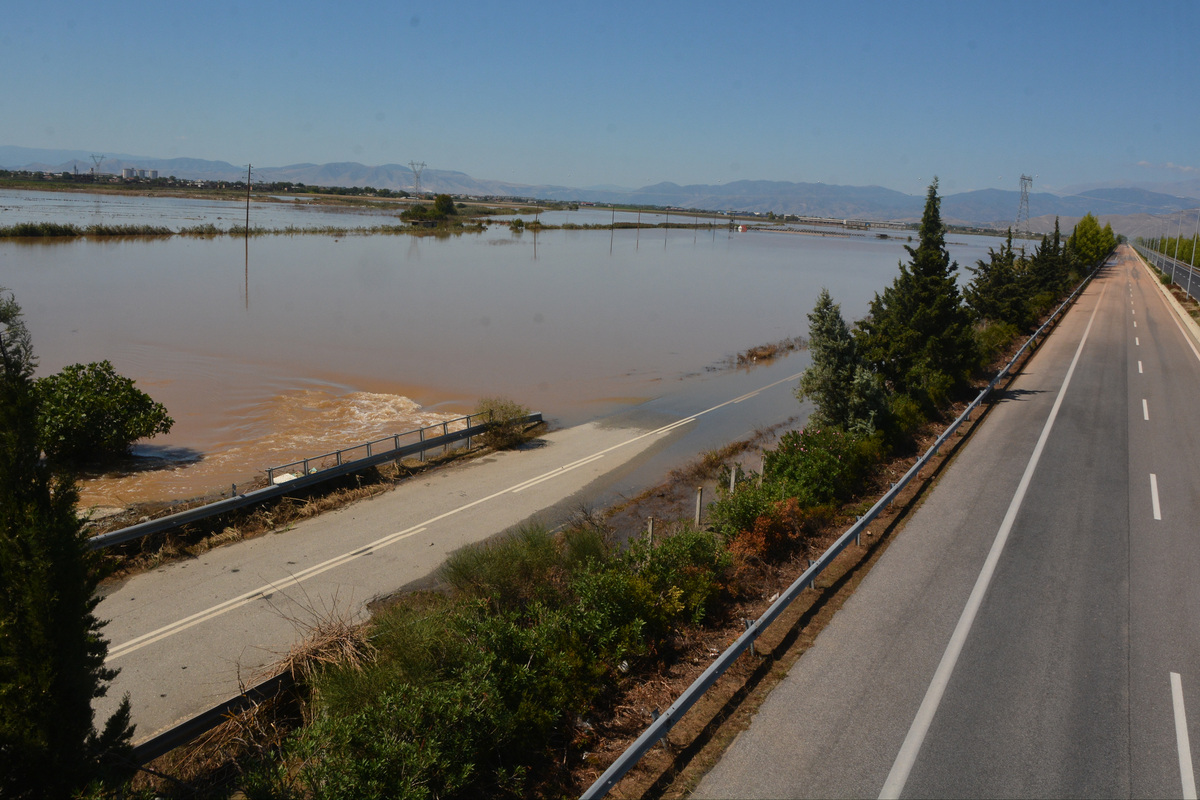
column 1129, row 208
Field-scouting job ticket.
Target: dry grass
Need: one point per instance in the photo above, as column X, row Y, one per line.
column 767, row 352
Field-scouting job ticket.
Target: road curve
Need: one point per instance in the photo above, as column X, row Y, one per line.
column 1034, row 630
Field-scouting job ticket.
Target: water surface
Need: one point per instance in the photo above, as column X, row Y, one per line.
column 287, row 346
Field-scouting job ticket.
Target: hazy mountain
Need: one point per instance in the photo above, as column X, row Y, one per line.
column 1189, row 188
column 1125, row 206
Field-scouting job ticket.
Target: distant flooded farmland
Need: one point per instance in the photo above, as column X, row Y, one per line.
column 287, row 346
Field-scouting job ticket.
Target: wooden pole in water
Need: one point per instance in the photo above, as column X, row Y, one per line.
column 248, row 201
column 612, row 229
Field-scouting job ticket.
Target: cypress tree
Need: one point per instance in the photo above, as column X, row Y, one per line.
column 1000, row 286
column 51, row 652
column 845, row 393
column 918, row 335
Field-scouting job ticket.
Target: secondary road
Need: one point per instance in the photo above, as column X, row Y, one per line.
column 1035, row 629
column 185, row 635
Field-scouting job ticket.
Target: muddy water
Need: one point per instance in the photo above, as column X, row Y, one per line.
column 295, row 345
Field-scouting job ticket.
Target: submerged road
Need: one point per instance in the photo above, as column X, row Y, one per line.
column 184, row 636
column 1034, row 631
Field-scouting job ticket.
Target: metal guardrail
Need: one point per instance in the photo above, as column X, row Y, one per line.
column 663, row 724
column 341, row 468
column 1181, row 274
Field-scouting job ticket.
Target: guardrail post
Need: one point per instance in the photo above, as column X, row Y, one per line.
column 733, row 478
column 422, row 432
column 699, row 501
column 445, row 430
column 270, row 476
column 306, row 466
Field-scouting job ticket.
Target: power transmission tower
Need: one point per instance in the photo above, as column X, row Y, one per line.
column 417, row 167
column 96, row 159
column 1022, row 224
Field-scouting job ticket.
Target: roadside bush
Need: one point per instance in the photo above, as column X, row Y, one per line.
column 508, row 572
column 779, row 530
column 685, row 571
column 507, row 429
column 994, row 338
column 466, row 693
column 88, row 412
column 733, row 513
column 820, row 465
column 906, row 417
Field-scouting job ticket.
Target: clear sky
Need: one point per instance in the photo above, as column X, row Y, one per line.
column 622, row 93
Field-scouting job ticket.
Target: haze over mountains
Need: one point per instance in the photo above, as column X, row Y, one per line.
column 1132, row 209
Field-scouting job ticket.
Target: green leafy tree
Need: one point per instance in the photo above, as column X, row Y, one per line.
column 918, row 335
column 846, row 394
column 89, row 412
column 51, row 652
column 1089, row 242
column 444, row 204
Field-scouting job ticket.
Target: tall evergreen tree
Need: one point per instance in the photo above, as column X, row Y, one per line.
column 999, row 288
column 845, row 393
column 51, row 652
column 918, row 334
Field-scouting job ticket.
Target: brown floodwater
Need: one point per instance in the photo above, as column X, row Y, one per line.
column 291, row 346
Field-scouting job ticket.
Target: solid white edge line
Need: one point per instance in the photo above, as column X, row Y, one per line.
column 1154, row 496
column 1187, row 337
column 1187, row 775
column 1145, row 410
column 907, row 757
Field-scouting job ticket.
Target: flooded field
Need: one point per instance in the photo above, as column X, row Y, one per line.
column 289, row 346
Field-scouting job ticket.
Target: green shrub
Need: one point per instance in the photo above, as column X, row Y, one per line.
column 508, row 572
column 736, row 512
column 819, row 465
column 89, row 412
column 994, row 338
column 906, row 417
column 466, row 693
column 685, row 571
column 507, row 428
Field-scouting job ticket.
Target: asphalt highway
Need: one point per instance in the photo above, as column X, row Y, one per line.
column 1034, row 631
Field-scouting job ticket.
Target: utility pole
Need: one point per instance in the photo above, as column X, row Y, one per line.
column 248, row 167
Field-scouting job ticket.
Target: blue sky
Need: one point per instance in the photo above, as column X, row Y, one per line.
column 588, row 93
